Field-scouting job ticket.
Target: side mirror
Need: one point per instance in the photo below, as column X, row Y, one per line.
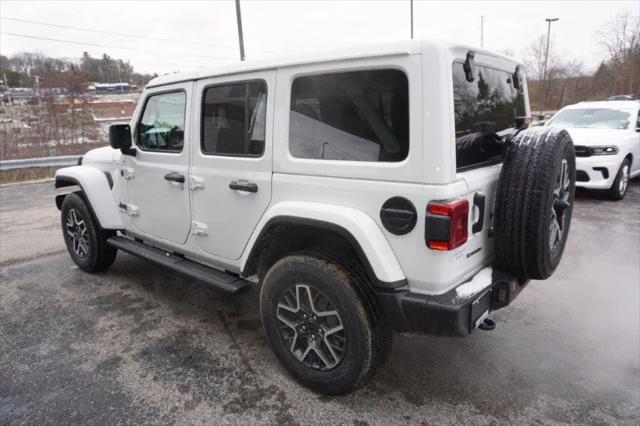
column 120, row 138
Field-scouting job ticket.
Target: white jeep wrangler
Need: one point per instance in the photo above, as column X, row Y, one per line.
column 390, row 187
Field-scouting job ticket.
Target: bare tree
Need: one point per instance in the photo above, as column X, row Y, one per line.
column 75, row 84
column 621, row 38
column 534, row 57
column 508, row 52
column 534, row 60
column 571, row 74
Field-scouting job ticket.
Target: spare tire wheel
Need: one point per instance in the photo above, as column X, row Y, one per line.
column 534, row 202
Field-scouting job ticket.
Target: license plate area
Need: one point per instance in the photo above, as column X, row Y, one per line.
column 480, row 307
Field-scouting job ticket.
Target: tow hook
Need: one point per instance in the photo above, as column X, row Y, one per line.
column 487, row 325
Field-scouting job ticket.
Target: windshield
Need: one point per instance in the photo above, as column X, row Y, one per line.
column 592, row 118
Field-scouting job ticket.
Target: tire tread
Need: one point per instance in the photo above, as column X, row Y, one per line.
column 523, row 200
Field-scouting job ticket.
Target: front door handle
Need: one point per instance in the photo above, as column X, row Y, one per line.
column 174, row 177
column 243, row 185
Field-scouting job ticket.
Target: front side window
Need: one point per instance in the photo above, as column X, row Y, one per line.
column 354, row 116
column 162, row 125
column 234, row 118
column 592, row 118
column 487, row 111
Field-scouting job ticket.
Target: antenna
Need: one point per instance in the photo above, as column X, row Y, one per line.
column 411, row 2
column 240, row 38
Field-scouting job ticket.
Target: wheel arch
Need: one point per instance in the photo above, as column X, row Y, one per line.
column 341, row 231
column 96, row 190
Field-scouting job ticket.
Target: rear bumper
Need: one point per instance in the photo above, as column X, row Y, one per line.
column 455, row 313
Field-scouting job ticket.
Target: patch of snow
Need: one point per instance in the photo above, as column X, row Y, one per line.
column 479, row 282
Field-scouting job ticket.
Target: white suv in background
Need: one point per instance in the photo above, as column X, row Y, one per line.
column 389, row 187
column 606, row 136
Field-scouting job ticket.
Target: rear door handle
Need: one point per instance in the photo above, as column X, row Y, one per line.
column 243, row 185
column 174, row 177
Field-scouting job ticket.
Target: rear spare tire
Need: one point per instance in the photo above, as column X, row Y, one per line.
column 534, row 202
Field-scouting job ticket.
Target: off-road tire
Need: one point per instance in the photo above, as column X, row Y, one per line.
column 526, row 206
column 618, row 191
column 99, row 255
column 367, row 336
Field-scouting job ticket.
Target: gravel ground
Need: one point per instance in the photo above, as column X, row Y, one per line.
column 138, row 344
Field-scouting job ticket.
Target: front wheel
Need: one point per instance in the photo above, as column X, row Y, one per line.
column 85, row 240
column 320, row 323
column 619, row 188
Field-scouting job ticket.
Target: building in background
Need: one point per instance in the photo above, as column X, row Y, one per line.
column 112, row 88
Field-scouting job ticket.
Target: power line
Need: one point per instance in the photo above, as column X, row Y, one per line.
column 92, row 30
column 104, row 45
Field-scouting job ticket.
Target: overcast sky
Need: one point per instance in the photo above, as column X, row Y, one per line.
column 273, row 28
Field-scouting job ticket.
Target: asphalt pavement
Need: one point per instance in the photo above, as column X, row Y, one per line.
column 138, row 344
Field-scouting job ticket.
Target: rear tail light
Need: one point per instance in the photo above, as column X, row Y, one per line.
column 446, row 225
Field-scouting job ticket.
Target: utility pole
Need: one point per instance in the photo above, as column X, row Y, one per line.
column 240, row 39
column 546, row 58
column 37, row 84
column 481, row 30
column 411, row 1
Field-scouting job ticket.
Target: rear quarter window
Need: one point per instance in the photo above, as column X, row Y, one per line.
column 350, row 116
column 486, row 112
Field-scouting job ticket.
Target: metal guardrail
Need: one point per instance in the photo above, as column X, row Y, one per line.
column 26, row 163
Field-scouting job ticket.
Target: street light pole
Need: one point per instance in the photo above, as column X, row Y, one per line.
column 240, row 39
column 411, row 2
column 481, row 30
column 546, row 58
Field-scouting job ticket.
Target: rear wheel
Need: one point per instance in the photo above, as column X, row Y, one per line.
column 619, row 188
column 85, row 240
column 320, row 324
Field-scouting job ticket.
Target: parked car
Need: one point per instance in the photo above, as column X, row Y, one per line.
column 607, row 141
column 390, row 187
column 630, row 97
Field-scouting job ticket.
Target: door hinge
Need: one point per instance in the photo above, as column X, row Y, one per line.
column 130, row 209
column 127, row 173
column 196, row 182
column 198, row 228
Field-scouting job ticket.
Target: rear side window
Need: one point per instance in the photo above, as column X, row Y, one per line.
column 162, row 125
column 486, row 112
column 233, row 119
column 354, row 116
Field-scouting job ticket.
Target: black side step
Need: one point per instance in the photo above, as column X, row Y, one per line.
column 213, row 277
